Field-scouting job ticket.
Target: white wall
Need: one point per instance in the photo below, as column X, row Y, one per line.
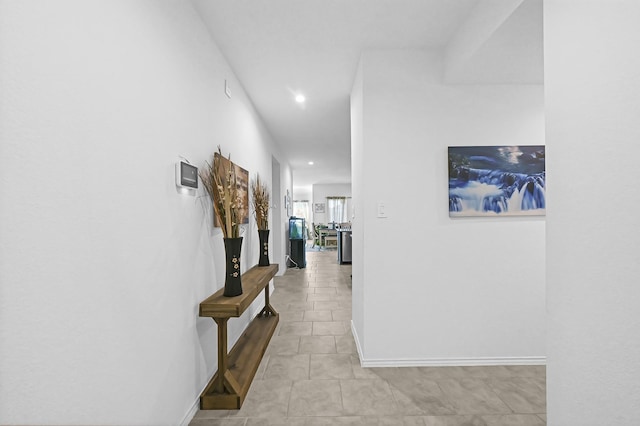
column 592, row 93
column 439, row 291
column 320, row 194
column 303, row 193
column 358, row 276
column 103, row 263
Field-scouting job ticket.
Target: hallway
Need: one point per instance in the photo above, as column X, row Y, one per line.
column 311, row 374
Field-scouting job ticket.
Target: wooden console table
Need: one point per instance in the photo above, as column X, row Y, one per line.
column 236, row 369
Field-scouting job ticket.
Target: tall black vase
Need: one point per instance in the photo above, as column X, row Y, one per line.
column 264, row 247
column 232, row 279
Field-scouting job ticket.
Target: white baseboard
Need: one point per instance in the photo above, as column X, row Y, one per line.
column 444, row 362
column 355, row 337
column 453, row 362
column 191, row 413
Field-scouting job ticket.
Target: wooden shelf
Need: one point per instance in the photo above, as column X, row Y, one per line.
column 236, row 369
column 253, row 282
column 244, row 360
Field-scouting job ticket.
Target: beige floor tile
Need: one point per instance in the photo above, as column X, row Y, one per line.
column 318, row 316
column 345, row 344
column 360, row 372
column 523, row 395
column 324, row 283
column 317, row 345
column 325, row 290
column 266, row 398
column 337, row 421
column 454, row 421
column 368, row 398
column 291, row 316
column 283, row 345
column 321, row 297
column 330, row 366
column 288, row 367
column 331, row 305
column 287, row 294
column 539, row 371
column 435, row 373
column 331, row 328
column 279, row 421
column 315, row 398
column 218, row 422
column 302, row 305
column 473, row 396
column 394, row 421
column 295, row 328
column 421, row 397
column 341, row 315
column 494, row 372
column 514, row 420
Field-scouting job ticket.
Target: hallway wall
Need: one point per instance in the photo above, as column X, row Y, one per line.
column 592, row 93
column 102, row 262
column 428, row 289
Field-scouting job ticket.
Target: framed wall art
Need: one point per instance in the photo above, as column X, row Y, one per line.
column 287, row 204
column 242, row 183
column 497, row 181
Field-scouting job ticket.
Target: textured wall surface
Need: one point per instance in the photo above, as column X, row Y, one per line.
column 436, row 290
column 592, row 96
column 102, row 262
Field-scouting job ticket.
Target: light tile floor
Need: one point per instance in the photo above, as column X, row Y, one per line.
column 311, row 374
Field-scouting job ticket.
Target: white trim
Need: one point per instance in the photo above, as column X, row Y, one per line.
column 444, row 362
column 191, row 413
column 357, row 340
column 453, row 362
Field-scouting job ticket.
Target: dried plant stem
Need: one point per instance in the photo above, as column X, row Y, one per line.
column 260, row 194
column 220, row 183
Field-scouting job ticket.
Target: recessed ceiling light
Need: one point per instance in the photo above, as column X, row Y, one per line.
column 311, row 163
column 300, row 98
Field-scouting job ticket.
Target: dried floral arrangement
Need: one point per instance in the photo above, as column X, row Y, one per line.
column 260, row 194
column 219, row 179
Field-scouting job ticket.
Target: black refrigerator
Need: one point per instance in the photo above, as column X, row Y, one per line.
column 297, row 242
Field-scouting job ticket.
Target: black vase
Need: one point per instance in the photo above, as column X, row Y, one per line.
column 232, row 279
column 264, row 247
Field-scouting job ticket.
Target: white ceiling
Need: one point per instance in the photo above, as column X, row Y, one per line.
column 280, row 47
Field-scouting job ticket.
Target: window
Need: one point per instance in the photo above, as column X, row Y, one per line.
column 301, row 209
column 338, row 209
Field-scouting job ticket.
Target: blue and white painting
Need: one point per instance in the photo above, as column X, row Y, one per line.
column 497, row 180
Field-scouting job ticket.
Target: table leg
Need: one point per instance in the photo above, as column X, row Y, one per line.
column 218, row 386
column 268, row 310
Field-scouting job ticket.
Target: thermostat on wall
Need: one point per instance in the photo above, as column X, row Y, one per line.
column 186, row 175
